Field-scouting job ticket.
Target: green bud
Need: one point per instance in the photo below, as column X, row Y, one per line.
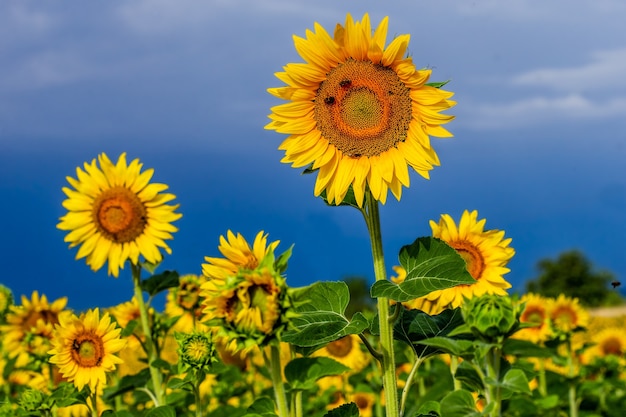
column 32, row 400
column 491, row 317
column 196, row 351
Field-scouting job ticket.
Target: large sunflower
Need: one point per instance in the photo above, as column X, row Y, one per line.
column 84, row 348
column 359, row 112
column 486, row 253
column 115, row 214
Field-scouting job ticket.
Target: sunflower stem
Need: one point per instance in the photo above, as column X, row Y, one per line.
column 157, row 380
column 277, row 381
column 388, row 363
column 409, row 383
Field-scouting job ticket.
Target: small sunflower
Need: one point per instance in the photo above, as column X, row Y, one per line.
column 185, row 302
column 567, row 314
column 609, row 342
column 364, row 401
column 359, row 112
column 237, row 255
column 84, row 348
column 536, row 312
column 486, row 253
column 116, row 214
column 347, row 351
column 29, row 326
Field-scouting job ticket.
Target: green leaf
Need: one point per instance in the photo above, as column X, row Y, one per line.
column 160, row 282
column 130, row 328
column 280, row 265
column 459, row 403
column 429, row 409
column 302, row 373
column 348, row 200
column 514, row 381
column 525, row 348
column 128, row 383
column 121, row 413
column 468, row 375
column 162, row 411
column 262, row 406
column 414, row 326
column 437, row 84
column 320, row 317
column 430, row 264
column 346, row 410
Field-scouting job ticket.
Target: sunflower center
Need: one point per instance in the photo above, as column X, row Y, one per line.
column 612, row 346
column 340, row 348
column 119, row 214
column 87, row 350
column 197, row 350
column 533, row 315
column 472, row 257
column 363, row 108
column 564, row 316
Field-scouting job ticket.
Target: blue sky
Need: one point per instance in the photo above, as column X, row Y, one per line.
column 538, row 150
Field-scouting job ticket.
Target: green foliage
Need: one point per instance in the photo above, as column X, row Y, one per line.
column 573, row 275
column 430, row 264
column 320, row 317
column 160, row 282
column 301, row 373
column 346, row 410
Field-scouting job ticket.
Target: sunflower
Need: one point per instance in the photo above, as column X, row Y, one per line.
column 237, row 255
column 359, row 112
column 84, row 348
column 347, row 351
column 185, row 303
column 536, row 312
column 486, row 253
column 567, row 314
column 608, row 342
column 29, row 326
column 115, row 214
column 364, row 401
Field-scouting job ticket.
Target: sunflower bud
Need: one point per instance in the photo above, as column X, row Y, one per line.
column 491, row 317
column 33, row 400
column 196, row 351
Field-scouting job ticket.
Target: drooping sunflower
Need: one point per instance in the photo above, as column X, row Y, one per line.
column 486, row 254
column 359, row 112
column 115, row 214
column 536, row 312
column 347, row 351
column 84, row 348
column 567, row 314
column 237, row 255
column 185, row 302
column 30, row 325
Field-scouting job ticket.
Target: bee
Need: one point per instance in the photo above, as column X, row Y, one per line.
column 75, row 345
column 616, row 283
column 345, row 83
column 329, row 100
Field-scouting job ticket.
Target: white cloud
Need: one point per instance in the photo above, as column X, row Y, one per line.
column 605, row 72
column 540, row 111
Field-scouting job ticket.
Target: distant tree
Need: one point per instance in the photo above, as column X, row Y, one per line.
column 360, row 299
column 572, row 274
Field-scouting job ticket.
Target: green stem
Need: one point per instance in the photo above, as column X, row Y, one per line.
column 277, row 381
column 573, row 406
column 454, row 365
column 153, row 355
column 493, row 368
column 543, row 386
column 298, row 404
column 408, row 384
column 388, row 363
column 196, row 393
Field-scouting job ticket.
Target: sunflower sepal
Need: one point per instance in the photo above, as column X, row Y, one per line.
column 348, row 200
column 430, row 264
column 438, row 84
column 280, row 264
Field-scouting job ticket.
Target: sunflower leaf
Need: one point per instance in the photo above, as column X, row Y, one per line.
column 459, row 403
column 320, row 315
column 160, row 282
column 301, row 373
column 345, row 410
column 430, row 264
column 162, row 411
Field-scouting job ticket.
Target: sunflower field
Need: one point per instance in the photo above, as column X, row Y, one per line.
column 442, row 338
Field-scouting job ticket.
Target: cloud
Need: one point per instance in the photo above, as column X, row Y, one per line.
column 605, row 72
column 541, row 110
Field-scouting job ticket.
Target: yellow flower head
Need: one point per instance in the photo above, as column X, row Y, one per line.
column 29, row 326
column 84, row 348
column 486, row 253
column 359, row 112
column 237, row 255
column 536, row 312
column 567, row 314
column 115, row 214
column 185, row 302
column 347, row 351
column 246, row 297
column 609, row 342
